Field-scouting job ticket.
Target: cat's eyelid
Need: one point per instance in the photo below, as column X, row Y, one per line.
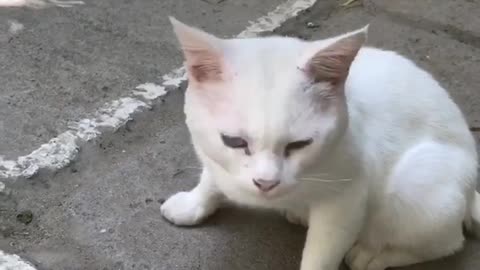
column 234, row 141
column 297, row 145
column 229, row 135
column 307, row 141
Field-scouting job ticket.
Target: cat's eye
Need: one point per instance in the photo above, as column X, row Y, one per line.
column 236, row 143
column 297, row 145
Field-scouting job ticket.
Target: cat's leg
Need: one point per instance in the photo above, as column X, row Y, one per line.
column 359, row 256
column 190, row 208
column 333, row 228
column 362, row 258
column 394, row 258
column 296, row 218
column 297, row 214
column 420, row 215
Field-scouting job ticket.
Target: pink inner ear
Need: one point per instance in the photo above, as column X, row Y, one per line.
column 328, row 68
column 203, row 53
column 204, row 66
column 333, row 63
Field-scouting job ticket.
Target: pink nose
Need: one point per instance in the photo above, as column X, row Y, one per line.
column 265, row 185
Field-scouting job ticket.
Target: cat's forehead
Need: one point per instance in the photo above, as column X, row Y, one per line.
column 268, row 93
column 269, row 54
column 265, row 66
column 274, row 113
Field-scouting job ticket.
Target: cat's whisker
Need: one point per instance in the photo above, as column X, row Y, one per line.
column 317, row 175
column 325, row 180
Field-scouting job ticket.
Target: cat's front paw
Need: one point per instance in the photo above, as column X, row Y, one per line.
column 186, row 209
column 295, row 218
column 361, row 258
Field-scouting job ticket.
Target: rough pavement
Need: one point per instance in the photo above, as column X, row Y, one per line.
column 102, row 212
column 65, row 63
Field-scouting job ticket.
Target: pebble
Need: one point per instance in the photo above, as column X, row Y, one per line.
column 25, row 217
column 312, row 25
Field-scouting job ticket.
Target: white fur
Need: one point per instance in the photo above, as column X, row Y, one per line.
column 395, row 132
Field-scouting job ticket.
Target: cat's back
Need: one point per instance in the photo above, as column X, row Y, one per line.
column 380, row 74
column 389, row 96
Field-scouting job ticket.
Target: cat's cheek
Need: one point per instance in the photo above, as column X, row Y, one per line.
column 309, row 157
column 293, row 166
column 297, row 166
column 244, row 181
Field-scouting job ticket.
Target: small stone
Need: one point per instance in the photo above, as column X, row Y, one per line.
column 25, row 217
column 134, row 205
column 148, row 200
column 312, row 25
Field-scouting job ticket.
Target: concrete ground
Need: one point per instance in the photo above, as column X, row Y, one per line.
column 102, row 211
column 66, row 63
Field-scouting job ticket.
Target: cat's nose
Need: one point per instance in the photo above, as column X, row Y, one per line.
column 266, row 185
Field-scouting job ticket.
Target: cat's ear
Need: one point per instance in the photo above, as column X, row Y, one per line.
column 203, row 53
column 331, row 63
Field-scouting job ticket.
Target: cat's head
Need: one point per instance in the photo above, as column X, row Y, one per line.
column 265, row 109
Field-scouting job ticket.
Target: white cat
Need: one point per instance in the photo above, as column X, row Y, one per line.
column 358, row 143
